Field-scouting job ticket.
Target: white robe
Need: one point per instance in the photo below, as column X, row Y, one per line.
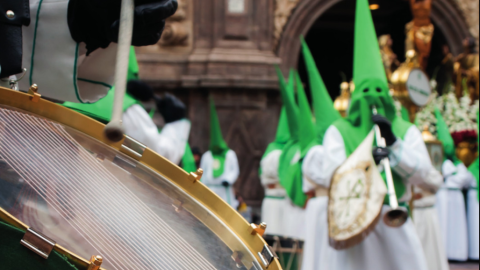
column 385, row 248
column 316, row 248
column 230, row 175
column 426, row 221
column 57, row 64
column 452, row 210
column 273, row 206
column 473, row 223
column 169, row 143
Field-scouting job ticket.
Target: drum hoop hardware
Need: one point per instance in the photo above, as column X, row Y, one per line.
column 95, row 262
column 133, row 148
column 38, row 243
column 267, row 255
column 196, row 176
column 33, row 90
column 258, row 229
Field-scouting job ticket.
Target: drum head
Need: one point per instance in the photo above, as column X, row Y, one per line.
column 94, row 200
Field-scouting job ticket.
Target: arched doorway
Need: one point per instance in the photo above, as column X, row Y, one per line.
column 328, row 26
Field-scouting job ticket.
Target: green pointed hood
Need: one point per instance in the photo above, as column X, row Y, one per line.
column 133, row 69
column 218, row 146
column 371, row 86
column 290, row 169
column 325, row 113
column 443, row 135
column 283, row 132
column 188, row 160
column 307, row 137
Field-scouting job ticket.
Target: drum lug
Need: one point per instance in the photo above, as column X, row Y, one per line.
column 258, row 229
column 95, row 262
column 267, row 255
column 38, row 243
column 196, row 176
column 33, row 90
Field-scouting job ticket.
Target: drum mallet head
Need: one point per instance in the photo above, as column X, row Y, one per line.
column 114, row 131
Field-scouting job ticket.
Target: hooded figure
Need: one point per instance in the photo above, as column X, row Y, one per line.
column 473, row 211
column 220, row 163
column 313, row 180
column 385, row 247
column 188, row 160
column 170, row 142
column 425, row 213
column 451, row 202
column 274, row 203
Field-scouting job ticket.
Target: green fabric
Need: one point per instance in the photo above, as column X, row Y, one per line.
column 475, row 166
column 283, row 132
column 14, row 256
column 405, row 114
column 325, row 113
column 289, row 169
column 218, row 146
column 102, row 109
column 371, row 90
column 152, row 113
column 443, row 135
column 307, row 137
column 188, row 160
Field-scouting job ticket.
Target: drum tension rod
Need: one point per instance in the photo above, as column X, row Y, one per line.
column 33, row 90
column 95, row 262
column 196, row 176
column 258, row 229
column 267, row 255
column 38, row 243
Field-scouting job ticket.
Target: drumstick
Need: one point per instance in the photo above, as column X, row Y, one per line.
column 114, row 130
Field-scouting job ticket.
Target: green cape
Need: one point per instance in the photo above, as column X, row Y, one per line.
column 289, row 169
column 443, row 135
column 218, row 146
column 102, row 109
column 325, row 113
column 371, row 89
column 475, row 166
column 188, row 160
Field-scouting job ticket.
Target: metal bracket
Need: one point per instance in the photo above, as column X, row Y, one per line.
column 38, row 243
column 95, row 262
column 267, row 255
column 258, row 229
column 196, row 176
column 133, row 147
column 33, row 90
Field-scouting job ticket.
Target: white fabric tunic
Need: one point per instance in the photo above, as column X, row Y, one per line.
column 426, row 221
column 473, row 223
column 273, row 206
column 58, row 64
column 230, row 175
column 169, row 143
column 385, row 248
column 316, row 248
column 452, row 210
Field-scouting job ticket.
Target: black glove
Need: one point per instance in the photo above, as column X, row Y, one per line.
column 140, row 90
column 379, row 154
column 171, row 108
column 386, row 129
column 225, row 184
column 96, row 22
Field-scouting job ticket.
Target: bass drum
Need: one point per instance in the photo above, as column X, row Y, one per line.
column 122, row 201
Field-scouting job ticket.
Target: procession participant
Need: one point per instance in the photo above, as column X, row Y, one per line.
column 425, row 216
column 451, row 202
column 473, row 211
column 170, row 142
column 385, row 247
column 67, row 48
column 273, row 206
column 290, row 172
column 316, row 211
column 220, row 163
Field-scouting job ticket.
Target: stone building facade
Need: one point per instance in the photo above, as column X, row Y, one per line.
column 227, row 49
